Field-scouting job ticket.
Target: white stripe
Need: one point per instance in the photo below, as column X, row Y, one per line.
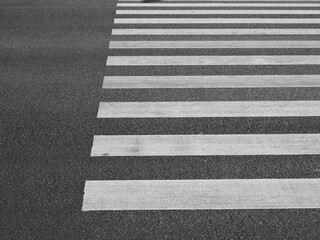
column 212, row 44
column 227, row 4
column 224, row 12
column 226, row 31
column 212, row 60
column 257, row 1
column 209, row 109
column 215, row 20
column 201, row 194
column 232, row 81
column 206, row 145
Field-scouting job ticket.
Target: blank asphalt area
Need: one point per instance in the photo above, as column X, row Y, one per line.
column 53, row 60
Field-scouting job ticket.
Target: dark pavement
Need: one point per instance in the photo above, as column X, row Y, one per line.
column 52, row 60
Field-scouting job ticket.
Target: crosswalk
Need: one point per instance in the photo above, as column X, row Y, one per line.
column 158, row 44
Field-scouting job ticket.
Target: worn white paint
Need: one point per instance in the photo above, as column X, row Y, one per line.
column 201, row 194
column 213, row 60
column 206, row 145
column 209, row 109
column 207, row 12
column 216, row 20
column 217, row 31
column 216, row 4
column 212, row 44
column 257, row 1
column 225, row 81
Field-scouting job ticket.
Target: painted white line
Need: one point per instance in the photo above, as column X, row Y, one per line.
column 216, row 20
column 226, row 4
column 212, row 44
column 212, row 60
column 222, row 12
column 201, row 194
column 209, row 109
column 203, row 1
column 232, row 81
column 225, row 31
column 206, row 145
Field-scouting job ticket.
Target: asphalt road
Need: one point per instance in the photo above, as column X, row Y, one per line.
column 53, row 59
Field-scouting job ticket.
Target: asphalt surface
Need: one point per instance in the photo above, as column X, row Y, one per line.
column 53, row 59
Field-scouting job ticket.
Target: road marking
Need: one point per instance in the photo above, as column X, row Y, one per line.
column 244, row 1
column 222, row 12
column 206, row 145
column 209, row 109
column 226, row 4
column 208, row 194
column 201, row 194
column 218, row 31
column 216, row 20
column 231, row 81
column 213, row 60
column 212, row 44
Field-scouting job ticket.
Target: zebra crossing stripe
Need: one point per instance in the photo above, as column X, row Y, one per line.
column 216, row 20
column 205, row 145
column 201, row 194
column 209, row 109
column 208, row 1
column 212, row 44
column 215, row 4
column 221, row 12
column 213, row 60
column 215, row 81
column 217, row 31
